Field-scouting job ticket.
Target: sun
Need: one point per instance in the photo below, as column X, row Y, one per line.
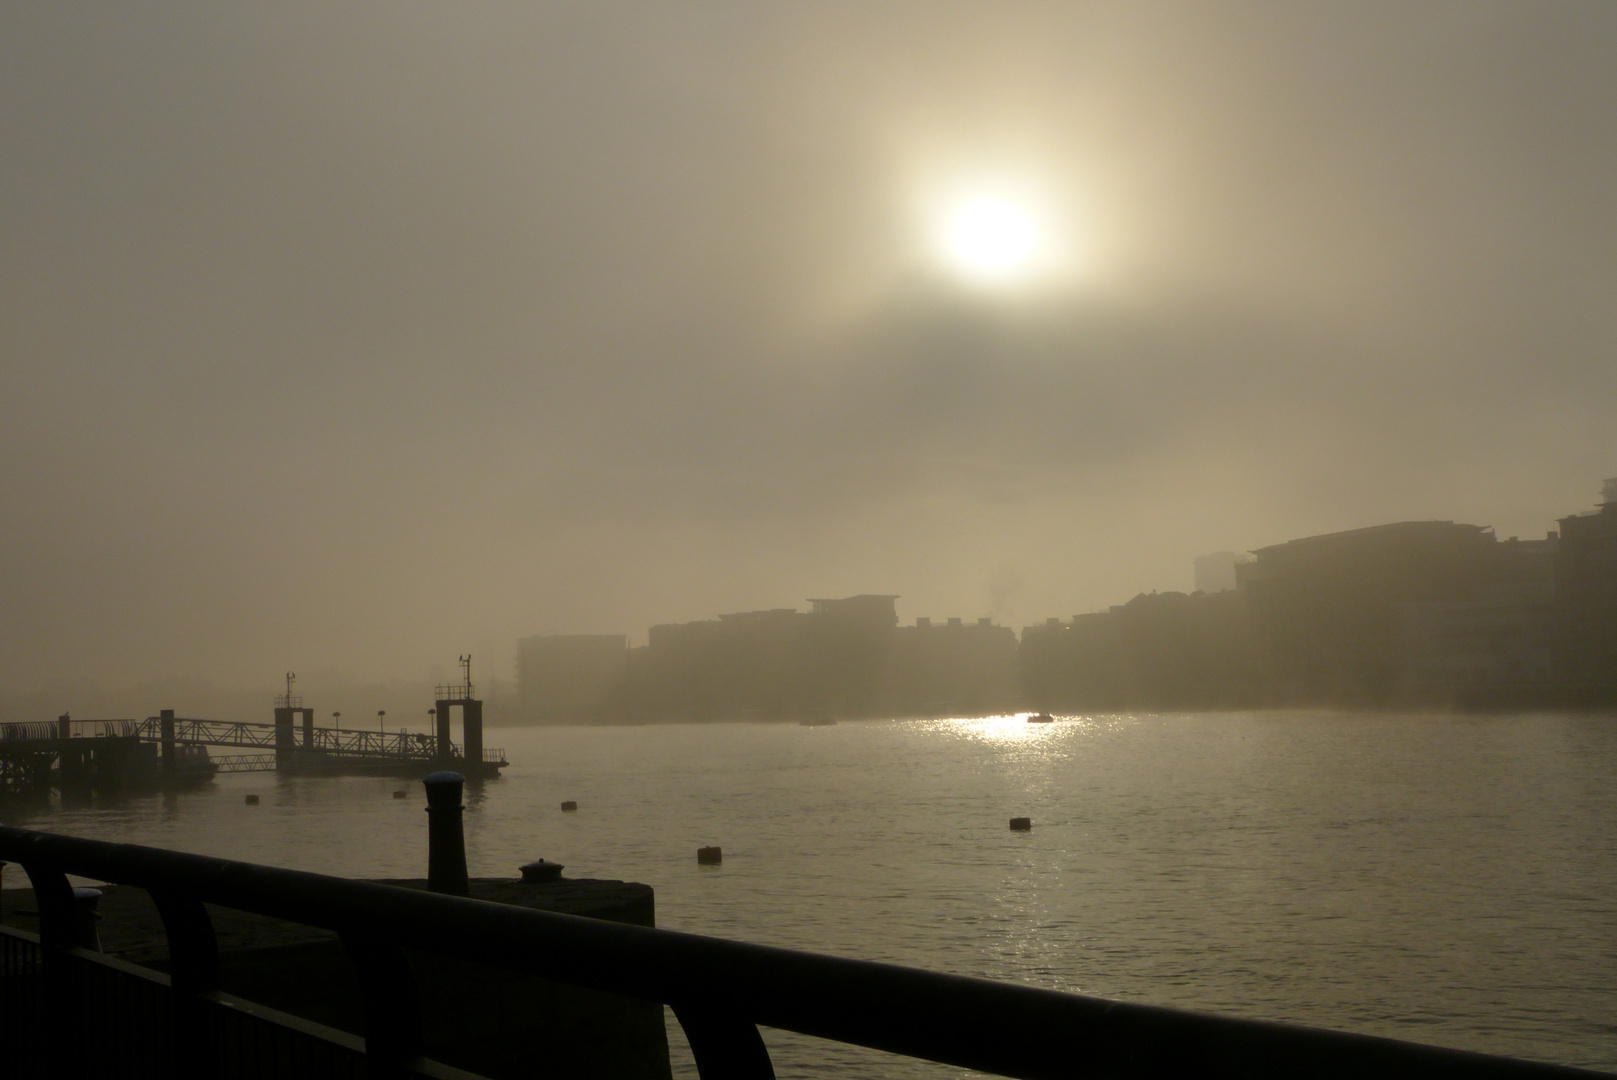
column 991, row 240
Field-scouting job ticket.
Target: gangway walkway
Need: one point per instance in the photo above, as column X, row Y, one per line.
column 372, row 744
column 32, row 754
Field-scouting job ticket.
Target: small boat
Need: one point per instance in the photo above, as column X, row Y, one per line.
column 1041, row 718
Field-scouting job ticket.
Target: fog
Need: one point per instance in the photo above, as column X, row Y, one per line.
column 348, row 340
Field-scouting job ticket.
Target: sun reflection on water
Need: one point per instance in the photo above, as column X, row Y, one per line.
column 1020, row 730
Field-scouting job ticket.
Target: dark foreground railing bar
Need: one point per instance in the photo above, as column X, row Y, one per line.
column 128, row 1018
column 721, row 989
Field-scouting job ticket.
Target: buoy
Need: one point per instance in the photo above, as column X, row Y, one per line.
column 401, row 794
column 252, row 800
column 540, row 871
column 569, row 806
column 1021, row 824
column 709, row 856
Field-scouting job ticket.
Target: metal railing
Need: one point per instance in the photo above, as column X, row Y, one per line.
column 244, row 763
column 399, row 744
column 719, row 990
column 209, row 732
column 77, row 729
column 354, row 741
column 27, row 732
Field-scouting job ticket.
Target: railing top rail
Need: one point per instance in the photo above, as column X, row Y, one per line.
column 995, row 1027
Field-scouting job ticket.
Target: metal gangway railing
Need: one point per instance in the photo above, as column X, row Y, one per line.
column 79, row 729
column 27, row 732
column 64, row 1009
column 398, row 745
column 340, row 742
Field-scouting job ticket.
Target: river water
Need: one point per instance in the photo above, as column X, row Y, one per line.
column 1450, row 880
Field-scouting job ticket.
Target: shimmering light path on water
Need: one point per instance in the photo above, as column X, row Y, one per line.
column 1448, row 880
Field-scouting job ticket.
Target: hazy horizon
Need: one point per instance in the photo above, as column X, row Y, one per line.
column 350, row 340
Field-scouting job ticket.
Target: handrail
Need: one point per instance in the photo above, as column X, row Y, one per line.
column 27, row 730
column 727, row 986
column 353, row 741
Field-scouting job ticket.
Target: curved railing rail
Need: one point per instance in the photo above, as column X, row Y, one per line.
column 719, row 990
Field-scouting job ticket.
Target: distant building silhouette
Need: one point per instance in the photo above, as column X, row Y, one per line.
column 775, row 664
column 1159, row 650
column 843, row 658
column 1501, row 633
column 745, row 665
column 1409, row 613
column 1586, row 594
column 1412, row 613
column 954, row 668
column 1324, row 608
column 567, row 678
column 1216, row 572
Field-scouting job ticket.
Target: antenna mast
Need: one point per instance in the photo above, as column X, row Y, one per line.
column 289, row 700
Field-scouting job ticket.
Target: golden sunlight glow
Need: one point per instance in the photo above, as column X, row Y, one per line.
column 992, row 239
column 1018, row 227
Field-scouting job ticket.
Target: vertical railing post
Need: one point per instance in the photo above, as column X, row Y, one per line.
column 725, row 1046
column 58, row 933
column 391, row 1005
column 193, row 955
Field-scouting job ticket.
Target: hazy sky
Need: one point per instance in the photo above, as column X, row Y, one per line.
column 358, row 336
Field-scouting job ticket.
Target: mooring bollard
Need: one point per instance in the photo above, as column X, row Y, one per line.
column 89, row 937
column 1021, row 824
column 709, row 856
column 540, row 871
column 446, row 842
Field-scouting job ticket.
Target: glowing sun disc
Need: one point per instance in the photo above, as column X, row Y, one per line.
column 991, row 238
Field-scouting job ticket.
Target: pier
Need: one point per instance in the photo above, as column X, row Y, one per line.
column 167, row 752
